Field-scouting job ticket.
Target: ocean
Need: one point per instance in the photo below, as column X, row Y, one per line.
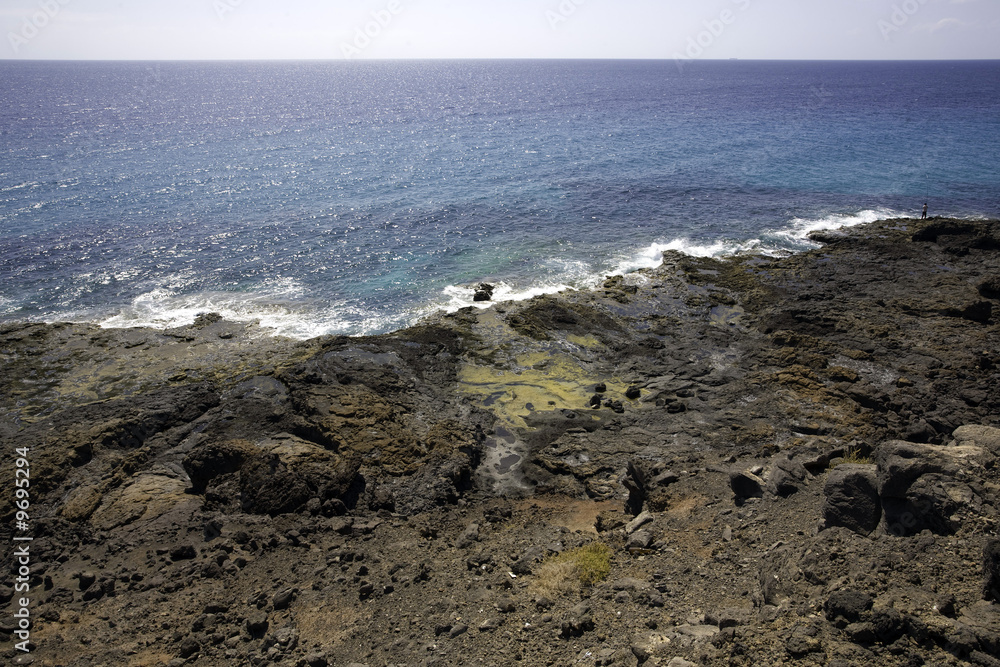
column 356, row 197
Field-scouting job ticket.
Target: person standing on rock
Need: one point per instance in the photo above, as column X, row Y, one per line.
column 923, row 216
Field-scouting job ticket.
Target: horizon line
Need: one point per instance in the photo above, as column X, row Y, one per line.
column 495, row 58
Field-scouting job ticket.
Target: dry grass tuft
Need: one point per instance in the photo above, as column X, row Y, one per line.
column 568, row 571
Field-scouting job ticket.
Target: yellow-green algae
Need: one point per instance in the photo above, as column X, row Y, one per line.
column 548, row 375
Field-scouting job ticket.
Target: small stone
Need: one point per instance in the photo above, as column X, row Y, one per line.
column 489, row 625
column 639, row 540
column 638, row 522
column 799, row 646
column 189, row 647
column 665, row 478
column 457, row 630
column 946, row 605
column 257, row 624
column 469, row 536
column 87, row 580
column 182, row 552
column 680, row 662
column 861, row 633
column 632, row 393
column 506, row 606
column 283, row 599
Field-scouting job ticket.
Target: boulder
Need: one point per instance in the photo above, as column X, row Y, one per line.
column 851, row 498
column 990, row 288
column 287, row 472
column 977, row 311
column 483, row 292
column 640, row 540
column 986, row 437
column 925, row 487
column 745, row 484
column 991, row 571
column 205, row 463
column 786, row 476
column 844, row 607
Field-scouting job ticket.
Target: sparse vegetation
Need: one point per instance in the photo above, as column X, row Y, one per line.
column 855, row 456
column 565, row 572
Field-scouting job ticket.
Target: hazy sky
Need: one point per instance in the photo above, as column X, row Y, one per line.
column 335, row 29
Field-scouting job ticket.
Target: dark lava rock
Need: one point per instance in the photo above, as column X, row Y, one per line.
column 214, row 459
column 918, row 487
column 639, row 540
column 270, row 486
column 980, row 311
column 990, row 288
column 991, row 571
column 786, row 477
column 746, row 485
column 182, row 552
column 257, row 624
column 316, row 660
column 283, row 599
column 189, row 647
column 484, row 292
column 852, row 499
column 577, row 621
column 87, row 580
column 847, row 606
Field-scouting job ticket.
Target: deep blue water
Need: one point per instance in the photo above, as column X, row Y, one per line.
column 354, row 197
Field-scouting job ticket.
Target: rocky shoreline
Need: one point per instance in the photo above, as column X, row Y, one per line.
column 740, row 462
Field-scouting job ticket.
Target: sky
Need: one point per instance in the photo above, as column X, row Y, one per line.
column 380, row 29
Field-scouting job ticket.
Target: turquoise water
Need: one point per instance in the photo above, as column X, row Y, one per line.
column 355, row 197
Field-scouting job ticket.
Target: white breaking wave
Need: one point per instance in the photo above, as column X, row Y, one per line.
column 278, row 309
column 799, row 229
column 281, row 307
column 455, row 297
column 793, row 238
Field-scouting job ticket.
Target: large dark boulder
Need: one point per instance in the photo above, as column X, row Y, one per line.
column 926, row 487
column 288, row 472
column 847, row 606
column 214, row 459
column 991, row 571
column 786, row 476
column 852, row 499
column 745, row 484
